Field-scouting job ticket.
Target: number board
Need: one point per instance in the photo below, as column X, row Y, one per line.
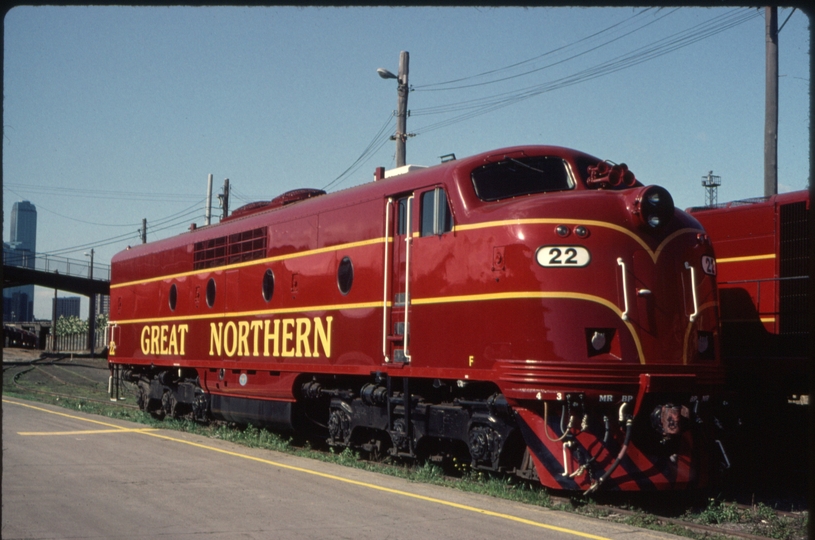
column 709, row 265
column 563, row 256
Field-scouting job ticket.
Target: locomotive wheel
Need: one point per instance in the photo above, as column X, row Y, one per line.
column 485, row 444
column 339, row 427
column 142, row 399
column 169, row 404
column 399, row 435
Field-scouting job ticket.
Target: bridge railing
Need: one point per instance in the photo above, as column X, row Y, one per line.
column 54, row 263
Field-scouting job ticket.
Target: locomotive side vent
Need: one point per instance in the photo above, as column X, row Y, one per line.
column 235, row 248
column 793, row 266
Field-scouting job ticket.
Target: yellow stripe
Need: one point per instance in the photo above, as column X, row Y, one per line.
column 743, row 259
column 267, row 260
column 586, row 222
column 260, row 312
column 86, row 432
column 466, row 227
column 521, row 295
column 768, row 319
column 342, row 479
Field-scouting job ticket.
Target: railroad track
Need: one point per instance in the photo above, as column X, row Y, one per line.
column 82, row 380
column 17, row 370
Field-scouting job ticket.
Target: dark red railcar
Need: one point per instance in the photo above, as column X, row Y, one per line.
column 763, row 253
column 535, row 309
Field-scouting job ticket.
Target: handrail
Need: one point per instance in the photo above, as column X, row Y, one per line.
column 52, row 263
column 387, row 279
column 624, row 315
column 408, row 240
column 693, row 291
column 762, row 280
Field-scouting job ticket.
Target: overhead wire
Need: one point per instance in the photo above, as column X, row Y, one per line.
column 429, row 87
column 159, row 225
column 661, row 47
column 41, row 207
column 63, row 191
column 489, row 100
column 483, row 105
column 376, row 143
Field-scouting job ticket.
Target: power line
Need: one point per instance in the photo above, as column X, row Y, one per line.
column 496, row 98
column 429, row 87
column 63, row 191
column 373, row 147
column 162, row 224
column 661, row 47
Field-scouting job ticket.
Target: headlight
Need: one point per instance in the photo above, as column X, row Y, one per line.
column 654, row 205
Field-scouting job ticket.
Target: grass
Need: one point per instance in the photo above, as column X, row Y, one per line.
column 760, row 520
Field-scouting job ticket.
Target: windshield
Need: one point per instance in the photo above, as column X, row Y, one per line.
column 525, row 176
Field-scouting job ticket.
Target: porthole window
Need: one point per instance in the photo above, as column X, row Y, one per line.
column 173, row 296
column 345, row 275
column 268, row 284
column 211, row 292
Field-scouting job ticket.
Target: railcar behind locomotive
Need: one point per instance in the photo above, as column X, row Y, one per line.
column 763, row 251
column 535, row 309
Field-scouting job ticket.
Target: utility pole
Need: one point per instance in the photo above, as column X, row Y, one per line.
column 402, row 90
column 401, row 108
column 143, row 230
column 54, row 321
column 224, row 199
column 208, row 212
column 91, row 313
column 771, row 103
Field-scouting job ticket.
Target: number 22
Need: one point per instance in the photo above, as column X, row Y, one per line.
column 571, row 256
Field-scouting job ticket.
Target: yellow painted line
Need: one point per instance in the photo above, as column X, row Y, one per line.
column 767, row 319
column 521, row 295
column 267, row 260
column 329, row 307
column 747, row 258
column 86, row 432
column 585, row 222
column 336, row 478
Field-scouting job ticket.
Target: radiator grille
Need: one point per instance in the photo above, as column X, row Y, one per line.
column 793, row 263
column 235, row 248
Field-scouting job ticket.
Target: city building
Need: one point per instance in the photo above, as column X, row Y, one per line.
column 102, row 304
column 24, row 225
column 66, row 307
column 18, row 302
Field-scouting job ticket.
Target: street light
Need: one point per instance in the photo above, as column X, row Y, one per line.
column 401, row 104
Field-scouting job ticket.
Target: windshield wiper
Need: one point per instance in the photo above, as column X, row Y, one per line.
column 522, row 164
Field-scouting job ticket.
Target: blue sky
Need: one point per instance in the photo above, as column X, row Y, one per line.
column 114, row 114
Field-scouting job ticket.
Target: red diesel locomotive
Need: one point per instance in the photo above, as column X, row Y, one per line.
column 535, row 309
column 763, row 255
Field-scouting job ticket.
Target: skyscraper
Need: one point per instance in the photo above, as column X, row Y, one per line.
column 24, row 225
column 18, row 302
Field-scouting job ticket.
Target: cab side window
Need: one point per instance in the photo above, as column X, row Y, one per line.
column 401, row 221
column 435, row 216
